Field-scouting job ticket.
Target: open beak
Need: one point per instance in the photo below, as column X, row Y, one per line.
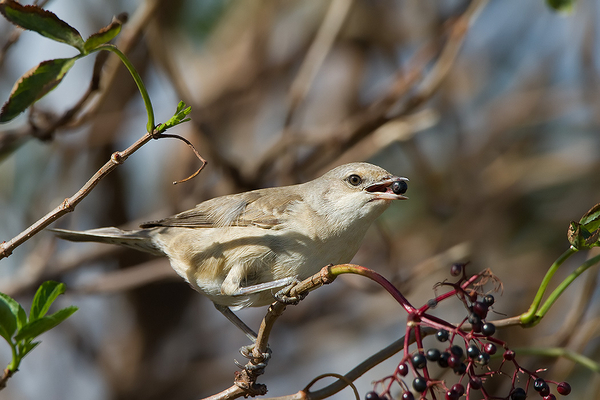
column 389, row 189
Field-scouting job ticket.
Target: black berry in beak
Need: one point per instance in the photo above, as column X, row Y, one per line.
column 399, row 187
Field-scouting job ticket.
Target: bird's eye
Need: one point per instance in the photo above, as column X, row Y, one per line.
column 354, row 180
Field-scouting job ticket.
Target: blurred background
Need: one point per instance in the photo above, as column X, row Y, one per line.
column 490, row 108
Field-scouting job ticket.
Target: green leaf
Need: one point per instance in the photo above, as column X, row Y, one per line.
column 104, row 35
column 5, row 334
column 178, row 118
column 16, row 309
column 44, row 22
column 44, row 297
column 8, row 318
column 34, row 85
column 27, row 348
column 39, row 326
column 561, row 5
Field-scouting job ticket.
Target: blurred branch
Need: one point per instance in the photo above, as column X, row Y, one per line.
column 129, row 278
column 387, row 108
column 318, row 50
column 330, row 145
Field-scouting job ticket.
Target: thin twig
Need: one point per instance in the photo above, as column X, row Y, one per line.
column 191, row 146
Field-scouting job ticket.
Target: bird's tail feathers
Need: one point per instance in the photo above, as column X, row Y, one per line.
column 136, row 239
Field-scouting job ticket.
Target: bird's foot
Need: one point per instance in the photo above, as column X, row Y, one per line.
column 283, row 295
column 258, row 363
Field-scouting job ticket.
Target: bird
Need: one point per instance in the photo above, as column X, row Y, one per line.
column 238, row 249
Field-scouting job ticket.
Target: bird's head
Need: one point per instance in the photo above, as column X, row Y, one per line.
column 357, row 190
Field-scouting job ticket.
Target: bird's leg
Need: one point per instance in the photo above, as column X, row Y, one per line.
column 261, row 287
column 234, row 319
column 281, row 295
column 258, row 364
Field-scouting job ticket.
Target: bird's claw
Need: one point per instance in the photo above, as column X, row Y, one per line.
column 257, row 364
column 283, row 295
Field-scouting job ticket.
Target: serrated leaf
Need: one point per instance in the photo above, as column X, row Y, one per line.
column 104, row 35
column 42, row 21
column 561, row 5
column 39, row 326
column 34, row 85
column 179, row 117
column 8, row 318
column 44, row 297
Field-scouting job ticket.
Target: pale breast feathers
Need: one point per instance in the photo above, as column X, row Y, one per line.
column 264, row 208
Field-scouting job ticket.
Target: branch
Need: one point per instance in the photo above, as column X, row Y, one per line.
column 68, row 205
column 245, row 381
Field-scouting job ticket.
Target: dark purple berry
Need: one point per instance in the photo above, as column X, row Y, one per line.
column 408, row 396
column 488, row 300
column 475, row 382
column 473, row 351
column 372, row 396
column 456, row 269
column 518, row 394
column 403, row 369
column 433, row 354
column 453, row 361
column 457, row 351
column 490, row 348
column 419, row 384
column 443, row 361
column 474, row 319
column 538, row 384
column 460, row 369
column 550, row 397
column 458, row 388
column 541, row 386
column 450, row 395
column 488, row 329
column 509, row 355
column 476, row 327
column 419, row 361
column 483, row 359
column 563, row 388
column 442, row 335
column 480, row 309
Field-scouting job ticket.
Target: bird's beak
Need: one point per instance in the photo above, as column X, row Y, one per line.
column 386, row 190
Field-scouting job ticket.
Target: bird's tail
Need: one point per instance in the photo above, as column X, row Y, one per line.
column 137, row 239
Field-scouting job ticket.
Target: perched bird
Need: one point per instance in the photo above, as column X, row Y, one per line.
column 236, row 249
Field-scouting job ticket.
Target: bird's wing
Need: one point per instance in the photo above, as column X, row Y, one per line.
column 265, row 208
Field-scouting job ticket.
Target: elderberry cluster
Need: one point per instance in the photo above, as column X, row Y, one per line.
column 467, row 353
